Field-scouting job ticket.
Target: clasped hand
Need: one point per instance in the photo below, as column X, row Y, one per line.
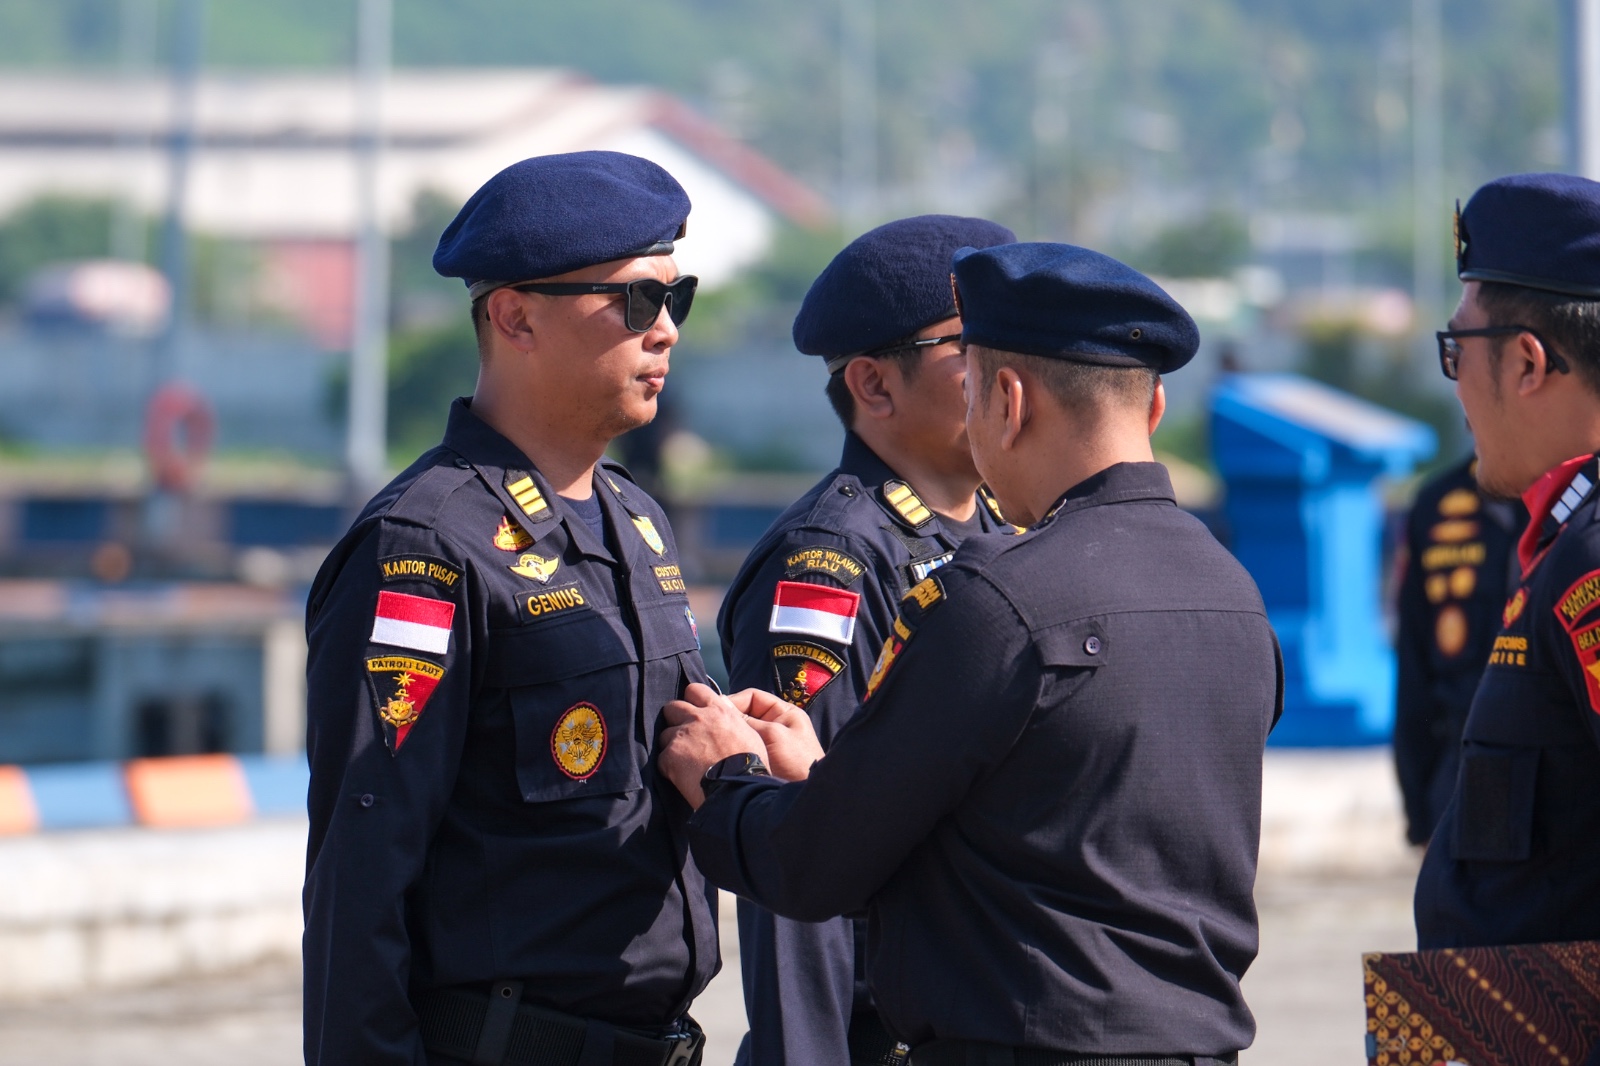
column 706, row 727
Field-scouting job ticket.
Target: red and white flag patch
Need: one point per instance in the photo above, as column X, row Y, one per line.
column 815, row 610
column 417, row 622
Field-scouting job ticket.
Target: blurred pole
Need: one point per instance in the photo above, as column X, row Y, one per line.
column 366, row 447
column 187, row 43
column 1049, row 127
column 1429, row 210
column 858, row 111
column 1585, row 87
column 137, row 26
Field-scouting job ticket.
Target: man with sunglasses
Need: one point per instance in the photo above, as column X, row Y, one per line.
column 495, row 873
column 810, row 609
column 1513, row 860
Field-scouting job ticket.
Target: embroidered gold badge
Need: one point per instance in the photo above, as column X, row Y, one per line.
column 579, row 741
column 1458, row 503
column 1450, row 631
column 647, row 530
column 511, row 538
column 1454, row 530
column 537, row 567
column 1514, row 607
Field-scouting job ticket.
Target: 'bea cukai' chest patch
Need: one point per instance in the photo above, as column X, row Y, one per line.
column 1575, row 611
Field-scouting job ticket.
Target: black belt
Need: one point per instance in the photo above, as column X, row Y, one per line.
column 977, row 1053
column 496, row 1029
column 871, row 1044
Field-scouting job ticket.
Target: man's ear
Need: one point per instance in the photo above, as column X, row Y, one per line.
column 865, row 380
column 1158, row 406
column 508, row 318
column 1533, row 363
column 1018, row 405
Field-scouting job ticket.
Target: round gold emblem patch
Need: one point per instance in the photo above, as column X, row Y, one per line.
column 579, row 741
column 1450, row 631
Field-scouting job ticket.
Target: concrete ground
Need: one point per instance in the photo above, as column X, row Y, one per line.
column 1305, row 989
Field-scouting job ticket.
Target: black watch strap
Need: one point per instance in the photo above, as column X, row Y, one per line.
column 745, row 764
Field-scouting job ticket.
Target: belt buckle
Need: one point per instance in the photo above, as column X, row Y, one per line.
column 685, row 1046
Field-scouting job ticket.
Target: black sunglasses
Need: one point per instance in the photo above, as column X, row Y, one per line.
column 911, row 346
column 1450, row 347
column 646, row 296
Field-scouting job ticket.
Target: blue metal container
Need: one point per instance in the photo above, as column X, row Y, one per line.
column 1300, row 461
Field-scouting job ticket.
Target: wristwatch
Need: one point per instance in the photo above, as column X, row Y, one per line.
column 745, row 764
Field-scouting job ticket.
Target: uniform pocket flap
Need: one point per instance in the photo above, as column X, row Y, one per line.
column 579, row 643
column 1080, row 643
column 669, row 628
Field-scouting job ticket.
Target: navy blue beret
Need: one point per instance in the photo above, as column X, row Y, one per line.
column 555, row 213
column 1066, row 302
column 1537, row 230
column 888, row 283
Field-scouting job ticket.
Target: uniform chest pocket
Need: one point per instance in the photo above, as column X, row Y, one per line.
column 573, row 685
column 1497, row 796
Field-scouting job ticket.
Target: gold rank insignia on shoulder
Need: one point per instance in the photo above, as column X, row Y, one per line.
column 537, row 567
column 907, row 504
column 993, row 506
column 510, row 537
column 647, row 530
column 527, row 494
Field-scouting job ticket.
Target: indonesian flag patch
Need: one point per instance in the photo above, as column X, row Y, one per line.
column 815, row 610
column 420, row 623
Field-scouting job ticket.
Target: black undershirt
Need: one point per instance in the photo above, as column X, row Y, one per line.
column 970, row 528
column 593, row 517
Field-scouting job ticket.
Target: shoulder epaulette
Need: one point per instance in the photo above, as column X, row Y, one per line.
column 526, row 492
column 906, row 504
column 993, row 506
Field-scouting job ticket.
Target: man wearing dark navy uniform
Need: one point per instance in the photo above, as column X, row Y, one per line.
column 1459, row 566
column 904, row 496
column 1049, row 803
column 496, row 873
column 1514, row 858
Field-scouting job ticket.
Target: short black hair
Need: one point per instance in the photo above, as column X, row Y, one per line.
column 1570, row 324
column 838, row 393
column 480, row 323
column 1085, row 389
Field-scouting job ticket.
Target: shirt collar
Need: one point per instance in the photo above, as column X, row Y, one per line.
column 491, row 454
column 860, row 460
column 1118, row 483
column 1549, row 505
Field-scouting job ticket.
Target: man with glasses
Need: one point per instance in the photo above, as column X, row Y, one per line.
column 1513, row 860
column 495, row 872
column 812, row 605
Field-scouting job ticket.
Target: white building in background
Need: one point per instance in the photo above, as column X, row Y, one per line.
column 274, row 153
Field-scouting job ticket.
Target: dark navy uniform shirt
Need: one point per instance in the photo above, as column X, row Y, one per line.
column 485, row 685
column 852, row 533
column 1460, row 554
column 1050, row 802
column 1514, row 859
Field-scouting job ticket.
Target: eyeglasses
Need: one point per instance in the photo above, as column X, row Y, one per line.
column 646, row 296
column 1450, row 347
column 911, row 346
